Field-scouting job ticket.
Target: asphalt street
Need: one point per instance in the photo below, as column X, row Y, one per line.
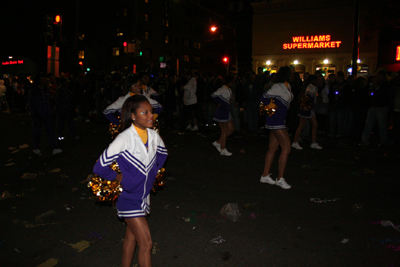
column 342, row 209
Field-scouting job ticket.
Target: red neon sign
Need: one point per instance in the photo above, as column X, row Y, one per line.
column 398, row 53
column 12, row 62
column 310, row 42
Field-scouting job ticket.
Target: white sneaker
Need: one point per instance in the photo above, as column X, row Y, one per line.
column 57, row 151
column 195, row 128
column 189, row 127
column 315, row 146
column 297, row 146
column 36, row 151
column 225, row 152
column 282, row 183
column 267, row 179
column 217, row 146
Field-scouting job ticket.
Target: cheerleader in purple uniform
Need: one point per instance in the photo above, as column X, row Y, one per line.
column 308, row 113
column 282, row 95
column 140, row 153
column 222, row 115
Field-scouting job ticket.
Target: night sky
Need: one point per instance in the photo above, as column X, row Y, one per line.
column 23, row 24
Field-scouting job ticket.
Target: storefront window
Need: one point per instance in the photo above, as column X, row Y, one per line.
column 362, row 70
column 325, row 69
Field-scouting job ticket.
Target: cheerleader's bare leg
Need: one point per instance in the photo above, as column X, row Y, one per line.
column 137, row 231
column 269, row 158
column 283, row 140
column 314, row 131
column 226, row 130
column 302, row 124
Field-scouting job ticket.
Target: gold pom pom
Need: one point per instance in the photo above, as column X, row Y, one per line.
column 159, row 182
column 114, row 130
column 269, row 109
column 156, row 126
column 304, row 103
column 104, row 190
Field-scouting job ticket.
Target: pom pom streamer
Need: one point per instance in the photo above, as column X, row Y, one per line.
column 114, row 130
column 304, row 102
column 269, row 109
column 159, row 182
column 104, row 190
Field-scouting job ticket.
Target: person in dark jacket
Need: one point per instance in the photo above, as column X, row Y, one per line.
column 377, row 113
column 63, row 100
column 253, row 89
column 41, row 113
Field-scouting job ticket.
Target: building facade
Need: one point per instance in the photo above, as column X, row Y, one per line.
column 312, row 36
column 143, row 34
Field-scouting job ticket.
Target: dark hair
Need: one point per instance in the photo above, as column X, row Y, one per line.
column 340, row 74
column 283, row 74
column 309, row 79
column 131, row 80
column 130, row 106
column 36, row 80
column 227, row 79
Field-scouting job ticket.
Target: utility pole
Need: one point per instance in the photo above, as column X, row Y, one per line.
column 356, row 37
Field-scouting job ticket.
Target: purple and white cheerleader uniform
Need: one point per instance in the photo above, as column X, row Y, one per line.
column 139, row 164
column 282, row 96
column 222, row 97
column 117, row 107
column 311, row 93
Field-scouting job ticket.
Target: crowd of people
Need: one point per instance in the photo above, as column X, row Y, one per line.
column 341, row 107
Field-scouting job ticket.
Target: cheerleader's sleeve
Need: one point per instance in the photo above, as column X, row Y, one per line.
column 162, row 153
column 218, row 98
column 157, row 107
column 153, row 94
column 266, row 98
column 111, row 154
column 113, row 108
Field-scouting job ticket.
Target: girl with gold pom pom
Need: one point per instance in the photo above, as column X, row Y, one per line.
column 280, row 95
column 139, row 152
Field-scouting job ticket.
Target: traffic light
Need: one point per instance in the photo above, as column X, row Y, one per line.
column 57, row 23
column 125, row 44
column 49, row 27
column 57, row 20
column 225, row 59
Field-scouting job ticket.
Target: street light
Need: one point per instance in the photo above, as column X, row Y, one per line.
column 226, row 60
column 215, row 28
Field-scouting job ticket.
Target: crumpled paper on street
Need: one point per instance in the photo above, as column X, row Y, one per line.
column 389, row 223
column 28, row 175
column 231, row 211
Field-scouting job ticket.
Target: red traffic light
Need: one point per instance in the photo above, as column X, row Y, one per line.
column 57, row 19
column 225, row 59
column 125, row 44
column 81, row 63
